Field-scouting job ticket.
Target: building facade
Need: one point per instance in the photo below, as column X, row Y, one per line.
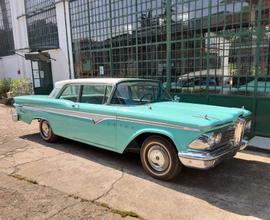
column 206, row 51
column 35, row 42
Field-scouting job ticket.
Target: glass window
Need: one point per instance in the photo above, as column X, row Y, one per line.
column 6, row 34
column 54, row 92
column 120, row 38
column 41, row 24
column 139, row 93
column 71, row 93
column 95, row 94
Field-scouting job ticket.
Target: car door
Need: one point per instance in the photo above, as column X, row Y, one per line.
column 61, row 111
column 96, row 121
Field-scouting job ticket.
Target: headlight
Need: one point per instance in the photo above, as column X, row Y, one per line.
column 206, row 141
column 215, row 139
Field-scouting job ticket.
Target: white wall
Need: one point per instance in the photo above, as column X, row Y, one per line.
column 60, row 67
column 11, row 65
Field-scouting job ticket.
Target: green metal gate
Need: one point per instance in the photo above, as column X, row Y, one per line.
column 207, row 51
column 244, row 64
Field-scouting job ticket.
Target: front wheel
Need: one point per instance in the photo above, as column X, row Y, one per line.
column 159, row 158
column 46, row 131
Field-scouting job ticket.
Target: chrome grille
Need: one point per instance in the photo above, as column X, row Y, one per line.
column 232, row 135
column 239, row 131
column 227, row 136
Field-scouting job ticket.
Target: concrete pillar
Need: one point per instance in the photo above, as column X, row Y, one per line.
column 20, row 39
column 64, row 35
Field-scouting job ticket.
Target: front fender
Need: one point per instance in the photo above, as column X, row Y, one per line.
column 127, row 133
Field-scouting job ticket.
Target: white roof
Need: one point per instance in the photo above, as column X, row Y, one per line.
column 59, row 84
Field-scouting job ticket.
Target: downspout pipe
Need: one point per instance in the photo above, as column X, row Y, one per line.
column 67, row 41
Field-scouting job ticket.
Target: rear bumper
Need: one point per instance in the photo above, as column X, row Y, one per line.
column 206, row 159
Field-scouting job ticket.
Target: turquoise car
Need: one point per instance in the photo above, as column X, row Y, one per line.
column 138, row 115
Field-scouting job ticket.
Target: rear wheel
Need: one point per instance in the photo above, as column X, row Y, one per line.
column 159, row 158
column 46, row 131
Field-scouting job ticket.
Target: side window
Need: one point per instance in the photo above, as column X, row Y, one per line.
column 71, row 93
column 95, row 94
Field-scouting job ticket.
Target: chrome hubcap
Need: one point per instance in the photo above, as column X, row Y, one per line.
column 158, row 158
column 45, row 129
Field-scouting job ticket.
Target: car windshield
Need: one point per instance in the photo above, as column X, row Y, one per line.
column 139, row 93
column 54, row 92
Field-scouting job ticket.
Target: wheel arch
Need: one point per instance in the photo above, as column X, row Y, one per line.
column 139, row 137
column 39, row 119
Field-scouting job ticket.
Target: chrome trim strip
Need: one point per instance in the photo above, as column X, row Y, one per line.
column 141, row 121
column 98, row 118
column 95, row 118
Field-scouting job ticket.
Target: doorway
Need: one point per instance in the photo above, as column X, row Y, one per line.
column 42, row 77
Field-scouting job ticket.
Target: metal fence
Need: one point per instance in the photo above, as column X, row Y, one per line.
column 194, row 46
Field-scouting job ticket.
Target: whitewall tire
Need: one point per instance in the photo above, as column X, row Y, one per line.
column 46, row 131
column 159, row 158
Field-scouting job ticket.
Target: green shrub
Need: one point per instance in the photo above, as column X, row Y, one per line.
column 4, row 87
column 20, row 87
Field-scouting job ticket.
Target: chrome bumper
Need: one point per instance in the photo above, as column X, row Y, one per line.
column 206, row 159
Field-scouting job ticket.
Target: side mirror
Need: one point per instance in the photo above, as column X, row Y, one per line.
column 176, row 98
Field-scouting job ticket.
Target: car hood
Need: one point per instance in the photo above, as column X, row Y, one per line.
column 193, row 115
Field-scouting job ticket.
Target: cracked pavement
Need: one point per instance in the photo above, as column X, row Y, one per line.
column 68, row 179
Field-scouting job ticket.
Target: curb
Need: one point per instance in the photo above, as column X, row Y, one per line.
column 257, row 149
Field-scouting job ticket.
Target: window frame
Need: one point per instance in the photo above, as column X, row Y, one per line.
column 43, row 11
column 81, row 89
column 127, row 81
column 65, row 87
column 94, row 84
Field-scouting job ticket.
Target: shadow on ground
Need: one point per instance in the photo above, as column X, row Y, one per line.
column 238, row 186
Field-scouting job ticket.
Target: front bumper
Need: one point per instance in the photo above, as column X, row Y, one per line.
column 208, row 159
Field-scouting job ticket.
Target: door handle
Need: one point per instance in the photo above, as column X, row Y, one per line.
column 75, row 105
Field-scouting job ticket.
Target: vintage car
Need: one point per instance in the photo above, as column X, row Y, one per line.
column 138, row 115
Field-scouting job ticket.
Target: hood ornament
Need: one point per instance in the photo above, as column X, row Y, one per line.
column 206, row 117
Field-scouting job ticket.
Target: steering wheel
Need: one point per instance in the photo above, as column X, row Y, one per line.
column 145, row 95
